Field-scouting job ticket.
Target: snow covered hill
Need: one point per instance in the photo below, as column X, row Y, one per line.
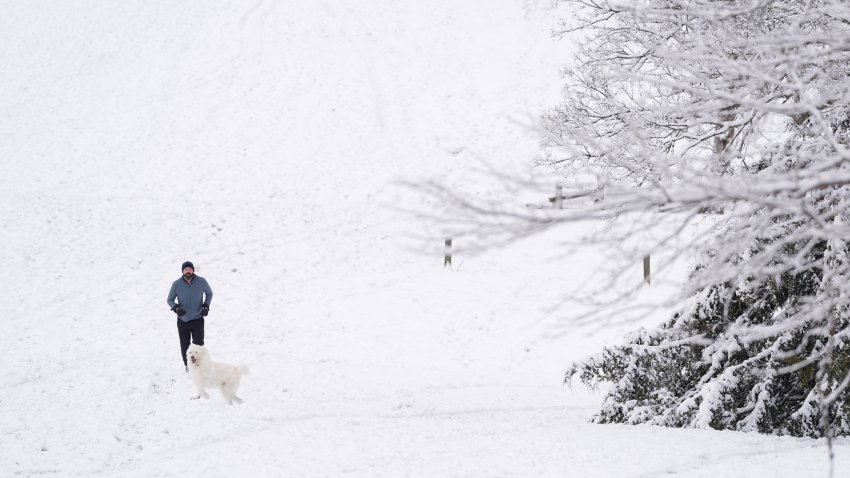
column 265, row 141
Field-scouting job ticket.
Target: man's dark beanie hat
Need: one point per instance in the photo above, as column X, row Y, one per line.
column 187, row 264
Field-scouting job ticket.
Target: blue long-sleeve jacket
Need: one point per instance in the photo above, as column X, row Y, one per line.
column 190, row 296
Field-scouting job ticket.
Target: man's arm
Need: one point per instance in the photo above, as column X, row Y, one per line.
column 172, row 294
column 207, row 293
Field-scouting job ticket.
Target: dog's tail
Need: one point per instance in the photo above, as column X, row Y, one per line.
column 242, row 370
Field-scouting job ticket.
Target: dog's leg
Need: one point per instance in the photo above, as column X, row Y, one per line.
column 201, row 393
column 229, row 392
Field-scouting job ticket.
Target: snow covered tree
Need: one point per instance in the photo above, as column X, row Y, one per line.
column 734, row 113
column 725, row 123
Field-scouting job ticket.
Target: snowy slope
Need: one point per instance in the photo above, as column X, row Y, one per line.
column 264, row 141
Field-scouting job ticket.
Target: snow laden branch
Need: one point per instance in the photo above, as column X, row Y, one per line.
column 716, row 131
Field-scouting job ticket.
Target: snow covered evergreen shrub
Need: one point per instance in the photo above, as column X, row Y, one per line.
column 707, row 368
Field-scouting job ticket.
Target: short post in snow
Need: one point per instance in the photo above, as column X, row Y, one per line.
column 599, row 194
column 447, row 255
column 646, row 269
column 558, row 200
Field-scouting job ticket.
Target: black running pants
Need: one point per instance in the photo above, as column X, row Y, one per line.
column 193, row 329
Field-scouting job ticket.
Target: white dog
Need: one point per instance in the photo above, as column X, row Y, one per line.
column 207, row 373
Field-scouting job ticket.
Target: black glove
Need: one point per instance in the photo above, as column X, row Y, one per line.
column 205, row 309
column 180, row 311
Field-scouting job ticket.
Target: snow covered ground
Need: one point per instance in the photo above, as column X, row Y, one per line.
column 264, row 142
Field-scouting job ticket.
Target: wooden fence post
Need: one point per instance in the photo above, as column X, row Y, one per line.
column 646, row 269
column 558, row 200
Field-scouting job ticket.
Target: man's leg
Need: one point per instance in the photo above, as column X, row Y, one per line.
column 183, row 330
column 197, row 331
